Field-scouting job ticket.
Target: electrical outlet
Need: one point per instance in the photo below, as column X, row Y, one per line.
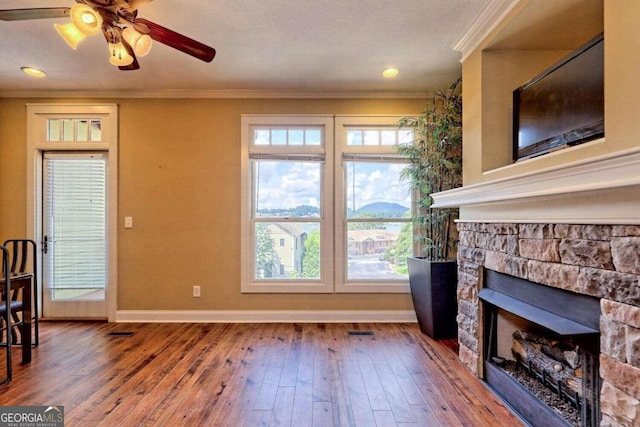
column 196, row 291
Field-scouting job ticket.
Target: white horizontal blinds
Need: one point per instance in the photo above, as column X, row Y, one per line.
column 74, row 130
column 76, row 221
column 385, row 158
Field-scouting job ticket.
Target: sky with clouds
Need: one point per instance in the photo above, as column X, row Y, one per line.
column 283, row 185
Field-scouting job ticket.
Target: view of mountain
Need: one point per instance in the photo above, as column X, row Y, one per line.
column 377, row 209
column 299, row 211
column 388, row 209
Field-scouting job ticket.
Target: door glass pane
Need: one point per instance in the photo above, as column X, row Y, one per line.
column 96, row 130
column 82, row 130
column 67, row 130
column 76, row 227
column 287, row 250
column 287, row 188
column 53, row 130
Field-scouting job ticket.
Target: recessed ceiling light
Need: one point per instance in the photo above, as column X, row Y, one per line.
column 390, row 72
column 33, row 72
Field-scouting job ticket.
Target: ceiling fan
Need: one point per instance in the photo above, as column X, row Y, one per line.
column 127, row 36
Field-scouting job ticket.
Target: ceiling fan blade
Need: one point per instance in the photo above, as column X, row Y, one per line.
column 178, row 41
column 36, row 13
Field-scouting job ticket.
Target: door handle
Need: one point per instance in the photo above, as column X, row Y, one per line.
column 45, row 244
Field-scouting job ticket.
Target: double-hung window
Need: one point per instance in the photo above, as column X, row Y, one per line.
column 373, row 206
column 320, row 215
column 287, row 191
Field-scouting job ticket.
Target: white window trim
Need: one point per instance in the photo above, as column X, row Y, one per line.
column 248, row 283
column 340, row 239
column 37, row 115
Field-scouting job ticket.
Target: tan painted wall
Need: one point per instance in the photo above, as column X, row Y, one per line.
column 180, row 181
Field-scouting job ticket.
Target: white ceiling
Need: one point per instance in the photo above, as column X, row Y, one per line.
column 305, row 46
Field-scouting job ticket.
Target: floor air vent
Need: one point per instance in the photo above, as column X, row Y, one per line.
column 360, row 333
column 120, row 334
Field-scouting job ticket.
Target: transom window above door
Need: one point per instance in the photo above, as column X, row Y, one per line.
column 74, row 130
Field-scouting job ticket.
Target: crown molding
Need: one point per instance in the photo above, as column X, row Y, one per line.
column 217, row 94
column 487, row 21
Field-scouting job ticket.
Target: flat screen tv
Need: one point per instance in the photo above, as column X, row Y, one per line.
column 563, row 106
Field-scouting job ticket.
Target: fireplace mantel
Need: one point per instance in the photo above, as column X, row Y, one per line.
column 601, row 190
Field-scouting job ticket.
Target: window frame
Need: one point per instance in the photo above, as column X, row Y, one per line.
column 359, row 152
column 249, row 284
column 333, row 221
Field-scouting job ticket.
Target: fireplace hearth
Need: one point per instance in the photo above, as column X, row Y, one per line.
column 541, row 350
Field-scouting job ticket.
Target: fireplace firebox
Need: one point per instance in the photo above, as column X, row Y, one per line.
column 541, row 350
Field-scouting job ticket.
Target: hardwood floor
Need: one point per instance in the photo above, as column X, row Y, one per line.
column 252, row 375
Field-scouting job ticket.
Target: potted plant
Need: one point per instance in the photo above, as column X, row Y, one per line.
column 435, row 165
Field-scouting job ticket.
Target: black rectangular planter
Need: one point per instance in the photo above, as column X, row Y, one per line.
column 433, row 290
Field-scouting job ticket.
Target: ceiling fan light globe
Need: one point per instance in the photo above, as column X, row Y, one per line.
column 390, row 72
column 86, row 19
column 33, row 72
column 141, row 43
column 119, row 55
column 70, row 33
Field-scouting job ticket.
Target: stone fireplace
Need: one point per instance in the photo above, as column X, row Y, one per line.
column 601, row 261
column 541, row 350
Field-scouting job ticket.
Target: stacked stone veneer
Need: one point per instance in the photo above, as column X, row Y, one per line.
column 598, row 260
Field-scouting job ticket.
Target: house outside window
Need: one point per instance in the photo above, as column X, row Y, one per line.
column 320, row 216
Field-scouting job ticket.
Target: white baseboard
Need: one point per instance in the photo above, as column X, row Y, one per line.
column 265, row 316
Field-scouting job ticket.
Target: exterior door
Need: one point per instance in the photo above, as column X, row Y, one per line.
column 74, row 234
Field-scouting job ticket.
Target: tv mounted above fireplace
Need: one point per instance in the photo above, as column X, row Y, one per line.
column 563, row 106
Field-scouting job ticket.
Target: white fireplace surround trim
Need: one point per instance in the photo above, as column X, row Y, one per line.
column 609, row 172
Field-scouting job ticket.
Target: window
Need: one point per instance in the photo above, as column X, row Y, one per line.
column 297, row 184
column 287, row 182
column 74, row 130
column 373, row 206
